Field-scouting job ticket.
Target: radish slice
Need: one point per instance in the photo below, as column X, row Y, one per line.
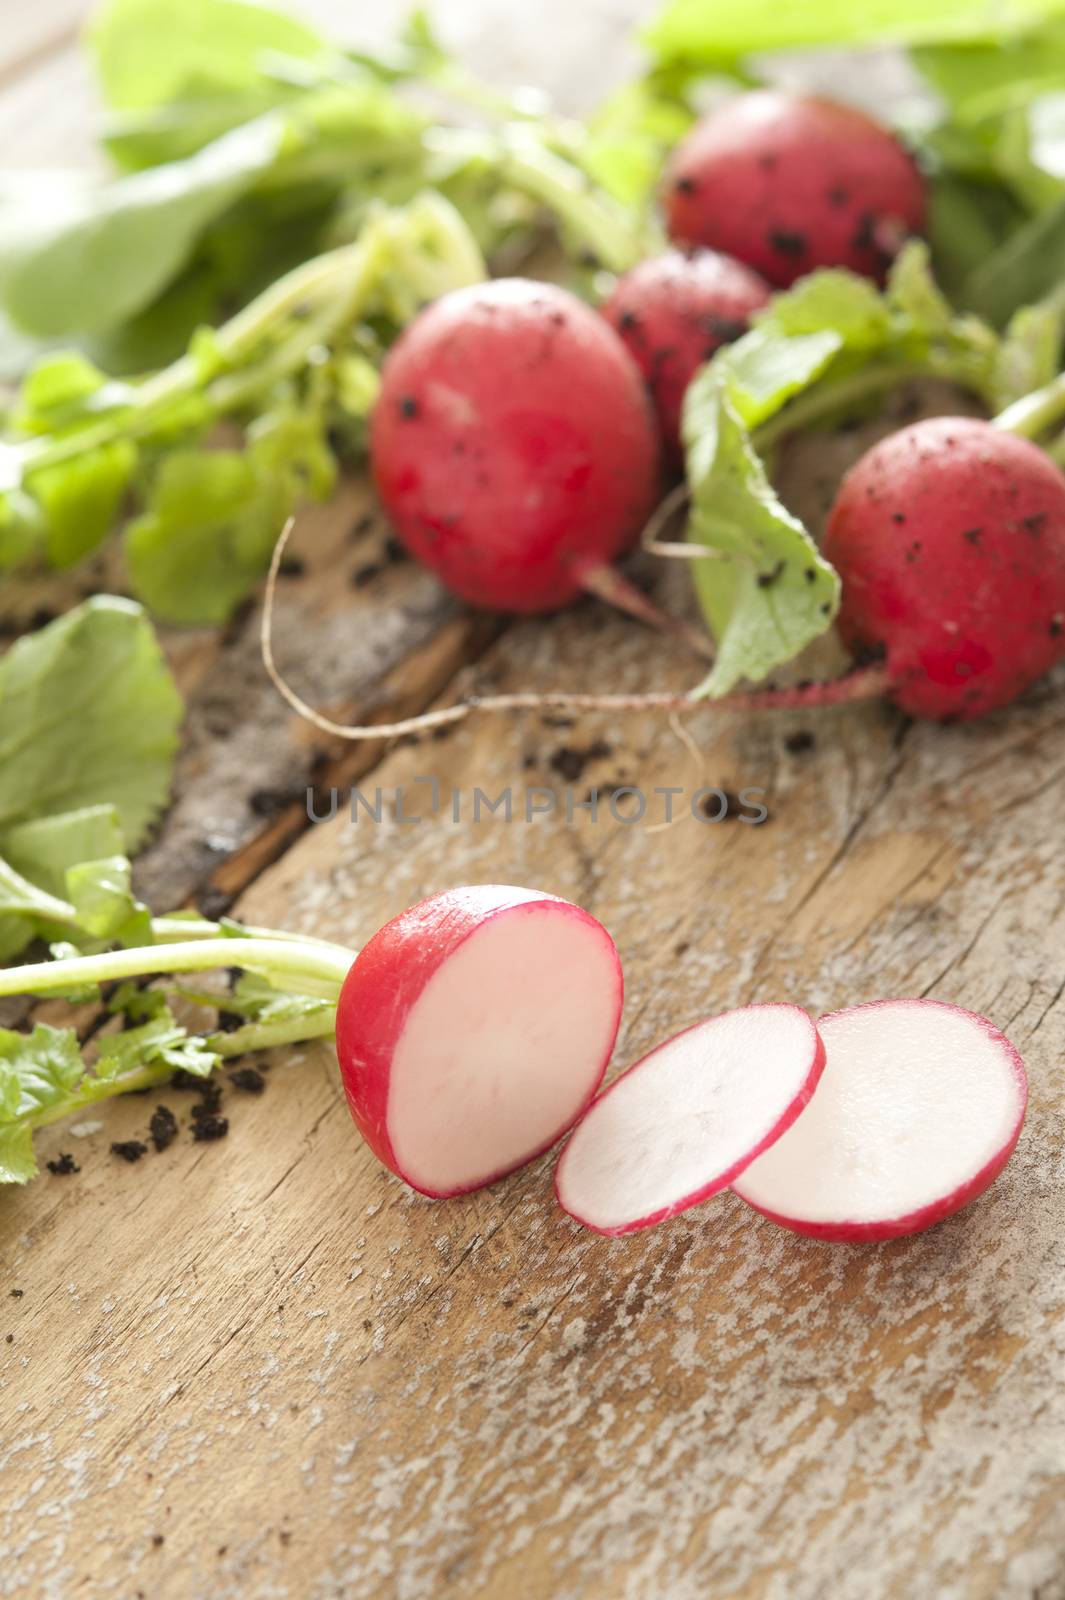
column 918, row 1110
column 683, row 1122
column 473, row 1030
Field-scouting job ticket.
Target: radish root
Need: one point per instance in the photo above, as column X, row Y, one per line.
column 608, row 584
column 864, row 683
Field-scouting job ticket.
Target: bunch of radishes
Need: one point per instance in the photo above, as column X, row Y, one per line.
column 519, row 453
column 474, row 1030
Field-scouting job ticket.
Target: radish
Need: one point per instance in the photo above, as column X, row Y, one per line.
column 473, row 1030
column 685, row 1120
column 788, row 183
column 917, row 1112
column 514, row 447
column 949, row 537
column 672, row 313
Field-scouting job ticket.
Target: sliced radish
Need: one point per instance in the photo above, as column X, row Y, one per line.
column 473, row 1030
column 686, row 1119
column 918, row 1110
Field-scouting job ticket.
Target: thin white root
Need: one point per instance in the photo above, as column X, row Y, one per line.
column 863, row 683
column 447, row 714
column 673, row 549
column 684, row 735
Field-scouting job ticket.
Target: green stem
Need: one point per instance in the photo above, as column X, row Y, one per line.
column 320, row 970
column 617, row 239
column 567, row 191
column 236, row 340
column 264, row 1035
column 91, row 1091
column 1056, row 450
column 822, row 401
column 173, row 930
column 1037, row 413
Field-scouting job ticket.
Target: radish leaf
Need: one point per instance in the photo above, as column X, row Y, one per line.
column 88, row 716
column 768, row 593
column 123, row 242
column 213, row 48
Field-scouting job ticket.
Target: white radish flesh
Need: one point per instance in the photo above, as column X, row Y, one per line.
column 473, row 1030
column 918, row 1110
column 686, row 1119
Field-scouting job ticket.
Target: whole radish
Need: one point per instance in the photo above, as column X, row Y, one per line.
column 673, row 312
column 949, row 537
column 513, row 445
column 788, row 183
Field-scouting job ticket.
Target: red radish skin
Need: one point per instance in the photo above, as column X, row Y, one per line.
column 473, row 1030
column 788, row 183
column 683, row 1122
column 513, row 445
column 672, row 313
column 949, row 538
column 860, row 1121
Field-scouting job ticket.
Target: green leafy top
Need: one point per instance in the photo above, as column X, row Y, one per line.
column 296, row 367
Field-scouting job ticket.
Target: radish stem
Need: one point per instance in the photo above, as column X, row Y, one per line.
column 823, row 401
column 253, row 1036
column 318, row 971
column 1036, row 413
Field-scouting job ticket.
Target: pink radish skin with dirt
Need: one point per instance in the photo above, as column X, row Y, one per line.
column 513, row 445
column 473, row 1030
column 673, row 313
column 680, row 1124
column 788, row 183
column 918, row 1110
column 949, row 538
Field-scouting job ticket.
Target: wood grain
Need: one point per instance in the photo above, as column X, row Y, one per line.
column 263, row 1368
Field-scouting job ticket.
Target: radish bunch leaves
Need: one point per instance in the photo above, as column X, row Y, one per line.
column 829, row 345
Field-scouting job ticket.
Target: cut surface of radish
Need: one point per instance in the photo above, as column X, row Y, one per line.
column 682, row 1122
column 918, row 1110
column 474, row 1029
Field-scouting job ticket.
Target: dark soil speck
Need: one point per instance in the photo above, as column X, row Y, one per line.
column 129, row 1149
column 207, row 1128
column 163, row 1127
column 570, row 762
column 250, row 1079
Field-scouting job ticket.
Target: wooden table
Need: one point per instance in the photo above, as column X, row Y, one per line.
column 264, row 1368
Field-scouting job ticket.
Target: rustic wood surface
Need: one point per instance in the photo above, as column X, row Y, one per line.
column 265, row 1368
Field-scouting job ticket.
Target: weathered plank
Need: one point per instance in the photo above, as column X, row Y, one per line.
column 375, row 1395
